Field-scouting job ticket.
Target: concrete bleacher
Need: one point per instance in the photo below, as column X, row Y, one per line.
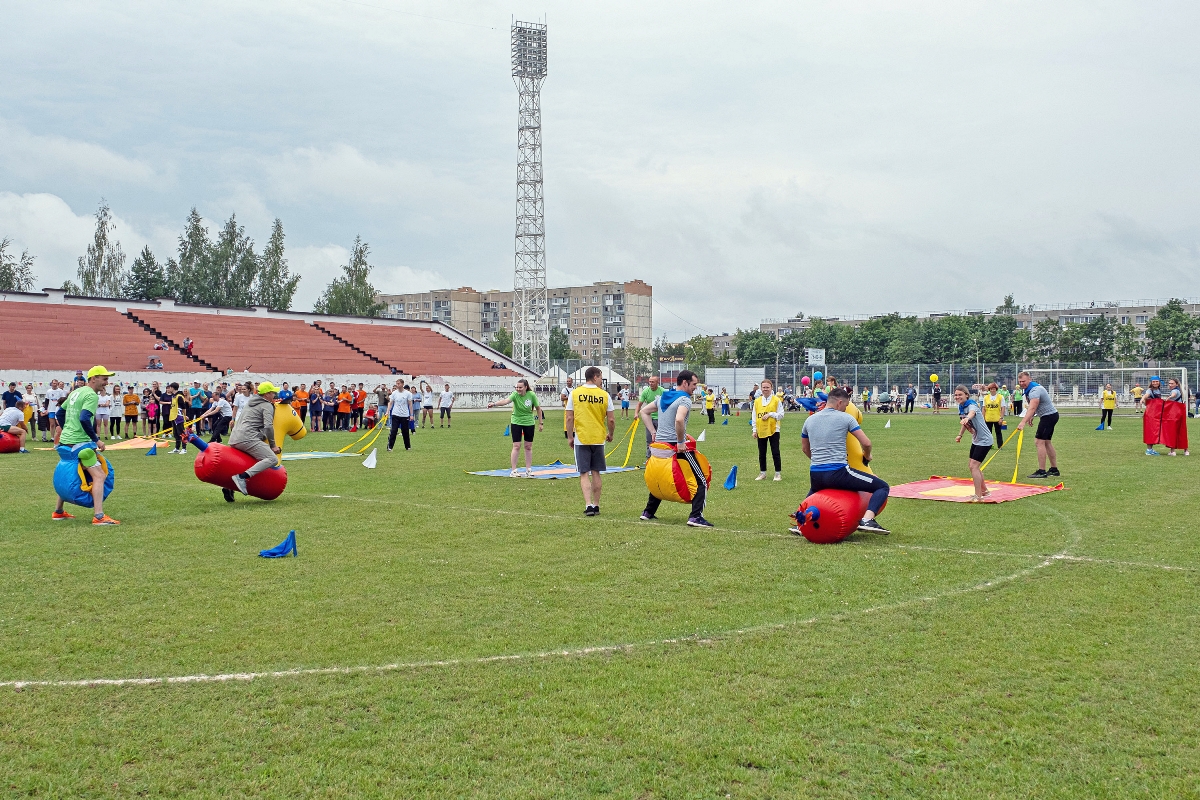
column 413, row 351
column 61, row 337
column 260, row 344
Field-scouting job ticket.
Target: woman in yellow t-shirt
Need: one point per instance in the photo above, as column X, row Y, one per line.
column 1108, row 404
column 710, row 405
column 765, row 418
column 993, row 412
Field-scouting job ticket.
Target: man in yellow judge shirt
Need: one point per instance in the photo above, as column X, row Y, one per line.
column 590, row 423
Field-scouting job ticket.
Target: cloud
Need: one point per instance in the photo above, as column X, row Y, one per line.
column 34, row 157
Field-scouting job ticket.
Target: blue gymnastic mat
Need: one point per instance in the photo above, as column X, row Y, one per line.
column 547, row 472
column 309, row 455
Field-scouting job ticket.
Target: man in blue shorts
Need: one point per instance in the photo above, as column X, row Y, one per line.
column 824, row 441
column 1042, row 407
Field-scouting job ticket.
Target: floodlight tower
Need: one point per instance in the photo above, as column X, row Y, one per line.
column 531, row 330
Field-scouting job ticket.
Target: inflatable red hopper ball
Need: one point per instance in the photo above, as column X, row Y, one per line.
column 830, row 515
column 9, row 443
column 218, row 463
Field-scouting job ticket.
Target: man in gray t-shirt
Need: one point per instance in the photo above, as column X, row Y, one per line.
column 672, row 409
column 824, row 441
column 1039, row 404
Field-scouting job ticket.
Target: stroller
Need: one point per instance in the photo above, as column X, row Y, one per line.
column 884, row 404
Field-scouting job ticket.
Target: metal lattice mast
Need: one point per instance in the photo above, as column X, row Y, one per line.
column 531, row 330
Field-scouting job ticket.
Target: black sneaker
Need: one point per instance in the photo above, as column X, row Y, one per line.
column 590, row 511
column 228, row 495
column 1041, row 473
column 648, row 517
column 699, row 522
column 871, row 526
column 1053, row 472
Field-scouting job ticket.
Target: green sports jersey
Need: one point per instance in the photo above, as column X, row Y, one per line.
column 523, row 406
column 82, row 399
column 648, row 396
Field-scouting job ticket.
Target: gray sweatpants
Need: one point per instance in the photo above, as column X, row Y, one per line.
column 261, row 451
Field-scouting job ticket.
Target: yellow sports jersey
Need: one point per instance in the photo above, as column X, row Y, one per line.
column 1109, row 398
column 993, row 408
column 590, row 405
column 765, row 426
column 708, row 401
column 1137, row 392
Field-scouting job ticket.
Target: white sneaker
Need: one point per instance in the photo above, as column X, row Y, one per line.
column 761, row 475
column 778, row 476
column 516, row 473
column 528, row 472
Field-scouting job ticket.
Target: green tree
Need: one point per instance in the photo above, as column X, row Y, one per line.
column 102, row 269
column 996, row 342
column 147, row 279
column 275, row 286
column 352, row 294
column 71, row 287
column 1171, row 333
column 187, row 278
column 16, row 272
column 1009, row 309
column 1023, row 345
column 698, row 351
column 1126, row 344
column 503, row 341
column 753, row 347
column 232, row 267
column 1046, row 337
column 664, row 349
column 906, row 345
column 560, row 346
column 821, row 335
column 640, row 361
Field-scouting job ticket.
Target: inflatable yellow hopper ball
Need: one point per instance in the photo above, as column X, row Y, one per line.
column 287, row 424
column 667, row 480
column 854, row 451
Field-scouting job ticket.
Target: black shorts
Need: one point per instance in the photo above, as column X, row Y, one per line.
column 522, row 432
column 1046, row 425
column 589, row 458
column 443, row 412
column 980, row 452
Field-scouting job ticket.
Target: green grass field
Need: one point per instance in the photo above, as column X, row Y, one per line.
column 476, row 636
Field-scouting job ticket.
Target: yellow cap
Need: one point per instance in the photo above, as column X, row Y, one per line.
column 97, row 370
column 265, row 387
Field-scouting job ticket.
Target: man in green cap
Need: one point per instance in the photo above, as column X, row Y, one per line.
column 78, row 427
column 255, row 423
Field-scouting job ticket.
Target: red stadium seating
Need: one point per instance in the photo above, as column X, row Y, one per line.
column 260, row 344
column 413, row 351
column 71, row 337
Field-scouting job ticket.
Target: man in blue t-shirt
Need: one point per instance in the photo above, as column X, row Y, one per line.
column 824, row 441
column 1041, row 406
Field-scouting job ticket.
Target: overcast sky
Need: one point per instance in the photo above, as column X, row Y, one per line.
column 749, row 160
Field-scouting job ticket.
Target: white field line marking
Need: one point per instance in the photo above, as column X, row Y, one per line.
column 544, row 654
column 566, row 653
column 875, row 543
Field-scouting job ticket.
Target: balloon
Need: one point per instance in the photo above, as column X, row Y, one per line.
column 933, row 378
column 804, row 381
column 818, row 375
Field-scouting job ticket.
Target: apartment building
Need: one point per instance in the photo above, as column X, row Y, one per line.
column 596, row 318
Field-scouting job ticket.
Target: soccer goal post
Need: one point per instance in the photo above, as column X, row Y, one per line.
column 1081, row 387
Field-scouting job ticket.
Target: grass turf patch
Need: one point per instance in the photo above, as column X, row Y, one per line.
column 880, row 666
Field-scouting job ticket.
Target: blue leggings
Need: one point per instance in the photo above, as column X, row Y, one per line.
column 851, row 480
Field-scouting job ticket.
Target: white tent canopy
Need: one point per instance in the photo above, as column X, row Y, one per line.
column 611, row 378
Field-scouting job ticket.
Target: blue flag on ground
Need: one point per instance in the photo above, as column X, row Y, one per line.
column 731, row 481
column 280, row 550
column 153, row 451
column 506, row 430
column 1100, row 427
column 725, row 421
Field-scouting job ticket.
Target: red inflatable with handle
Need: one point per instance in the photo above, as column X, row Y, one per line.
column 218, row 463
column 830, row 515
column 9, row 443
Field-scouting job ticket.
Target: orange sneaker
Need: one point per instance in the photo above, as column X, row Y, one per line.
column 105, row 520
column 61, row 515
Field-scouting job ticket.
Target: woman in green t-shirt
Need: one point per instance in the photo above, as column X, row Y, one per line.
column 527, row 412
